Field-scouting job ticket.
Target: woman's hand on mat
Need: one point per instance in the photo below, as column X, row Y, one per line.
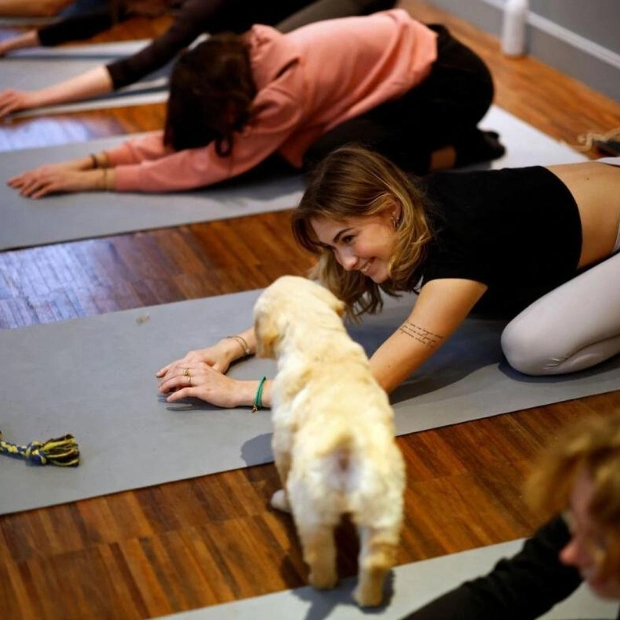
column 201, row 381
column 4, row 47
column 57, row 178
column 218, row 357
column 13, row 100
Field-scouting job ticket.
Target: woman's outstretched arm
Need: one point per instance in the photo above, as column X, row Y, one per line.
column 32, row 8
column 22, row 41
column 440, row 309
column 89, row 173
column 442, row 305
column 202, row 374
column 94, row 82
column 74, row 28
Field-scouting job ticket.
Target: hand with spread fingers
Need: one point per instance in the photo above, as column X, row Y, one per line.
column 201, row 374
column 60, row 178
column 200, row 380
column 12, row 100
column 218, row 356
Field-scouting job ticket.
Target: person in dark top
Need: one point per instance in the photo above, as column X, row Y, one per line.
column 493, row 240
column 193, row 18
column 85, row 24
column 580, row 476
column 45, row 8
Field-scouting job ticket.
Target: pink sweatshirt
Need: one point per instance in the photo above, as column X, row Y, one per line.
column 338, row 69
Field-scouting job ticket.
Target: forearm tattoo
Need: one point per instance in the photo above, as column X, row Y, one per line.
column 421, row 335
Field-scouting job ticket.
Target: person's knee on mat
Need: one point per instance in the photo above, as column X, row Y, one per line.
column 523, row 351
column 535, row 351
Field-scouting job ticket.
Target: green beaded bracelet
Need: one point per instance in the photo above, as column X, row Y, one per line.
column 258, row 398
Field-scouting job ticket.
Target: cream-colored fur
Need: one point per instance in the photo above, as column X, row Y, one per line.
column 333, row 439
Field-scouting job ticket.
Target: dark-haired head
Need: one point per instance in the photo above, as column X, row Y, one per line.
column 354, row 182
column 211, row 95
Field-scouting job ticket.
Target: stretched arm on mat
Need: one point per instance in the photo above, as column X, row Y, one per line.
column 441, row 307
column 201, row 374
column 74, row 28
column 32, row 8
column 90, row 173
column 531, row 242
column 27, row 39
column 90, row 84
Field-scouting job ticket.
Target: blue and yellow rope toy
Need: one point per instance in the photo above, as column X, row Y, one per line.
column 63, row 451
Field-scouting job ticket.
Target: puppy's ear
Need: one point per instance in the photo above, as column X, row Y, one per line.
column 340, row 307
column 266, row 334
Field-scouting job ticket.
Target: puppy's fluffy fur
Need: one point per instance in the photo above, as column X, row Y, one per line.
column 333, row 438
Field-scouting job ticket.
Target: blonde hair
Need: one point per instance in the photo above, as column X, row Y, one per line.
column 355, row 182
column 591, row 447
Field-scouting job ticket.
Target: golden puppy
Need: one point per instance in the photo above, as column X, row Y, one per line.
column 333, row 439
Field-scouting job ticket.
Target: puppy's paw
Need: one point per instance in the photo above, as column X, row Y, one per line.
column 368, row 597
column 280, row 501
column 325, row 581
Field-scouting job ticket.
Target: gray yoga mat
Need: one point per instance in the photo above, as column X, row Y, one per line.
column 37, row 68
column 411, row 587
column 94, row 378
column 28, row 222
column 25, row 22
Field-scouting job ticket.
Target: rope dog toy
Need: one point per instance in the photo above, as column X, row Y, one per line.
column 62, row 451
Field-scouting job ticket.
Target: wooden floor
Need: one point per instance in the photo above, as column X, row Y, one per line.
column 200, row 542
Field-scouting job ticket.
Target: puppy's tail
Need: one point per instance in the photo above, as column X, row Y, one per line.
column 338, row 457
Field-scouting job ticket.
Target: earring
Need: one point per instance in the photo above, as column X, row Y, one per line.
column 394, row 222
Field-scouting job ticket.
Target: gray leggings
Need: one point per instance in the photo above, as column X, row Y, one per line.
column 573, row 327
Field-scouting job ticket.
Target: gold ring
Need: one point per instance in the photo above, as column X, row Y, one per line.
column 186, row 372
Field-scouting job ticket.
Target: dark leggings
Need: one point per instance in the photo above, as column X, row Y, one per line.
column 443, row 110
column 240, row 15
column 332, row 9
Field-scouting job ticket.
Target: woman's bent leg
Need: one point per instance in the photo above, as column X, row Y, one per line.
column 571, row 328
column 441, row 111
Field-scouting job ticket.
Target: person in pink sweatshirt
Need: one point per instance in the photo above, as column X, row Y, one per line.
column 409, row 91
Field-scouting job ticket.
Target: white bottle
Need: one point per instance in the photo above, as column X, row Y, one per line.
column 514, row 27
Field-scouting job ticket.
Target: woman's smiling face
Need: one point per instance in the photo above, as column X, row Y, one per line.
column 364, row 244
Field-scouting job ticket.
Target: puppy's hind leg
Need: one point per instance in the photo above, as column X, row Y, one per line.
column 377, row 556
column 282, row 457
column 319, row 549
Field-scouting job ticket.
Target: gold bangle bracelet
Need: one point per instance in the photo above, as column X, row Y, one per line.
column 103, row 160
column 241, row 341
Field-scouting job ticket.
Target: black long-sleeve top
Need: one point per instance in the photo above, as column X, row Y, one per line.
column 80, row 27
column 523, row 587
